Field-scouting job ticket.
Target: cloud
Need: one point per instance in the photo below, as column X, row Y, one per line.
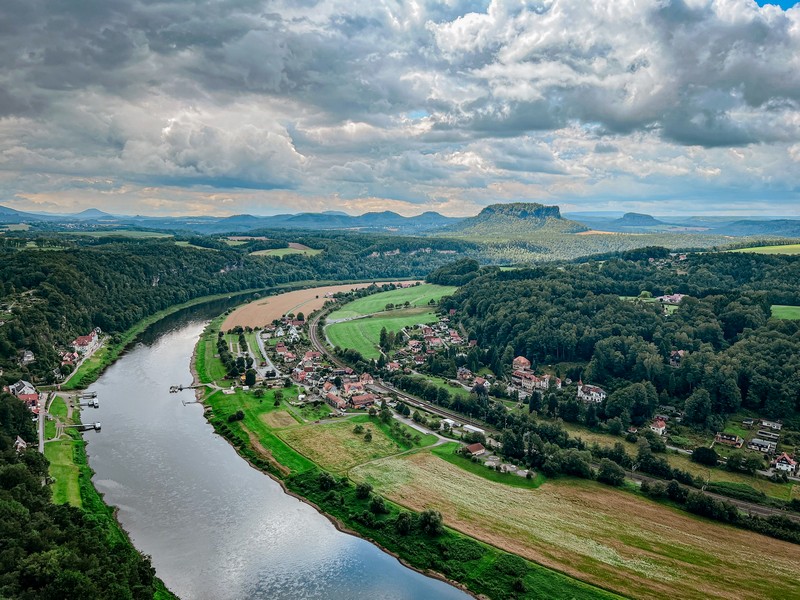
column 449, row 104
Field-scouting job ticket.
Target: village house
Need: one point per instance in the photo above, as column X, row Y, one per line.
column 765, row 446
column 27, row 357
column 392, row 366
column 366, row 379
column 464, row 374
column 480, row 382
column 659, row 426
column 419, row 359
column 473, row 429
column 312, row 356
column 85, row 344
column 590, row 393
column 363, row 400
column 335, row 401
column 775, row 425
column 671, row 298
column 20, row 444
column 280, row 349
column 476, row 449
column 289, row 357
column 785, row 463
column 22, row 387
column 351, row 389
column 729, row 439
column 521, row 363
column 675, row 358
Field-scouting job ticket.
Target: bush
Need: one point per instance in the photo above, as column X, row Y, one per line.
column 237, row 416
column 326, row 481
column 378, row 506
column 358, row 429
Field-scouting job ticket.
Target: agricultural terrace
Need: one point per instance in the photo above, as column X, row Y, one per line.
column 416, row 296
column 782, row 249
column 609, row 537
column 265, row 310
column 782, row 311
column 364, row 335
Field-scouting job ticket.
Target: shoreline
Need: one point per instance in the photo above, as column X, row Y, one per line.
column 337, row 523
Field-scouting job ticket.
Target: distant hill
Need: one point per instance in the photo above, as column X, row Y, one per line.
column 779, row 227
column 517, row 220
column 632, row 219
column 92, row 213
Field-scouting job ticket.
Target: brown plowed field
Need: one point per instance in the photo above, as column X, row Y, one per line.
column 265, row 310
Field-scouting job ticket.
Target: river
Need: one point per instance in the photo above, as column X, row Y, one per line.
column 216, row 528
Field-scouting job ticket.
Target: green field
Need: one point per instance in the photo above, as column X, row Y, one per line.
column 783, row 249
column 186, row 244
column 363, row 335
column 418, row 295
column 281, row 252
column 782, row 311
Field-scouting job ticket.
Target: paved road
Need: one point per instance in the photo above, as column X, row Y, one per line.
column 42, row 417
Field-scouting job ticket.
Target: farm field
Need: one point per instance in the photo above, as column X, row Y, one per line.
column 595, row 533
column 782, row 311
column 292, row 249
column 781, row 249
column 264, row 310
column 418, row 295
column 186, row 244
column 335, row 447
column 363, row 335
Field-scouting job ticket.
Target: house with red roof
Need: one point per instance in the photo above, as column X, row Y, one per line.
column 659, row 426
column 521, row 363
column 363, row 400
column 785, row 463
column 476, row 449
column 85, row 343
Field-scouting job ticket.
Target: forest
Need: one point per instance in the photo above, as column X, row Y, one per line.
column 599, row 321
column 50, row 296
column 49, row 551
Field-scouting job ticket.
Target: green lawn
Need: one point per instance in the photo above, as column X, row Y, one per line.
column 65, row 473
column 447, row 452
column 418, row 295
column 782, row 249
column 253, row 423
column 364, row 335
column 208, row 367
column 782, row 311
column 252, row 342
column 186, row 244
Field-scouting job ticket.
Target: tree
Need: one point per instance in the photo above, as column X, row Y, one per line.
column 358, row 429
column 385, row 415
column 430, row 522
column 368, row 436
column 403, row 523
column 326, row 481
column 698, row 407
column 610, row 473
column 363, row 490
column 705, row 456
column 250, row 377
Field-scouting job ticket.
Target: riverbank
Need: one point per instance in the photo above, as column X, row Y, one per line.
column 72, row 482
column 416, row 538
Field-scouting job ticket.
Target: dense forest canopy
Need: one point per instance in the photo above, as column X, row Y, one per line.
column 48, row 297
column 601, row 321
column 49, row 551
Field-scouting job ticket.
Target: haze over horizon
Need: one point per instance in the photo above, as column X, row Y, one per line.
column 665, row 107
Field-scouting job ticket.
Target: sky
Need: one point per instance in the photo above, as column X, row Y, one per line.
column 264, row 107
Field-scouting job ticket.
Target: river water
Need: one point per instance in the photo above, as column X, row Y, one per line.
column 216, row 528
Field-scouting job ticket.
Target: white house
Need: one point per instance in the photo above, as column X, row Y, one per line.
column 659, row 426
column 785, row 463
column 590, row 393
column 473, row 429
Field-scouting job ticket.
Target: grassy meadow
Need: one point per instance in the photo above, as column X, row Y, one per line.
column 417, row 295
column 364, row 334
column 601, row 535
column 281, row 252
column 782, row 311
column 780, row 249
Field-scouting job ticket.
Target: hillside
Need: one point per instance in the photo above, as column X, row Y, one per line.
column 637, row 220
column 518, row 220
